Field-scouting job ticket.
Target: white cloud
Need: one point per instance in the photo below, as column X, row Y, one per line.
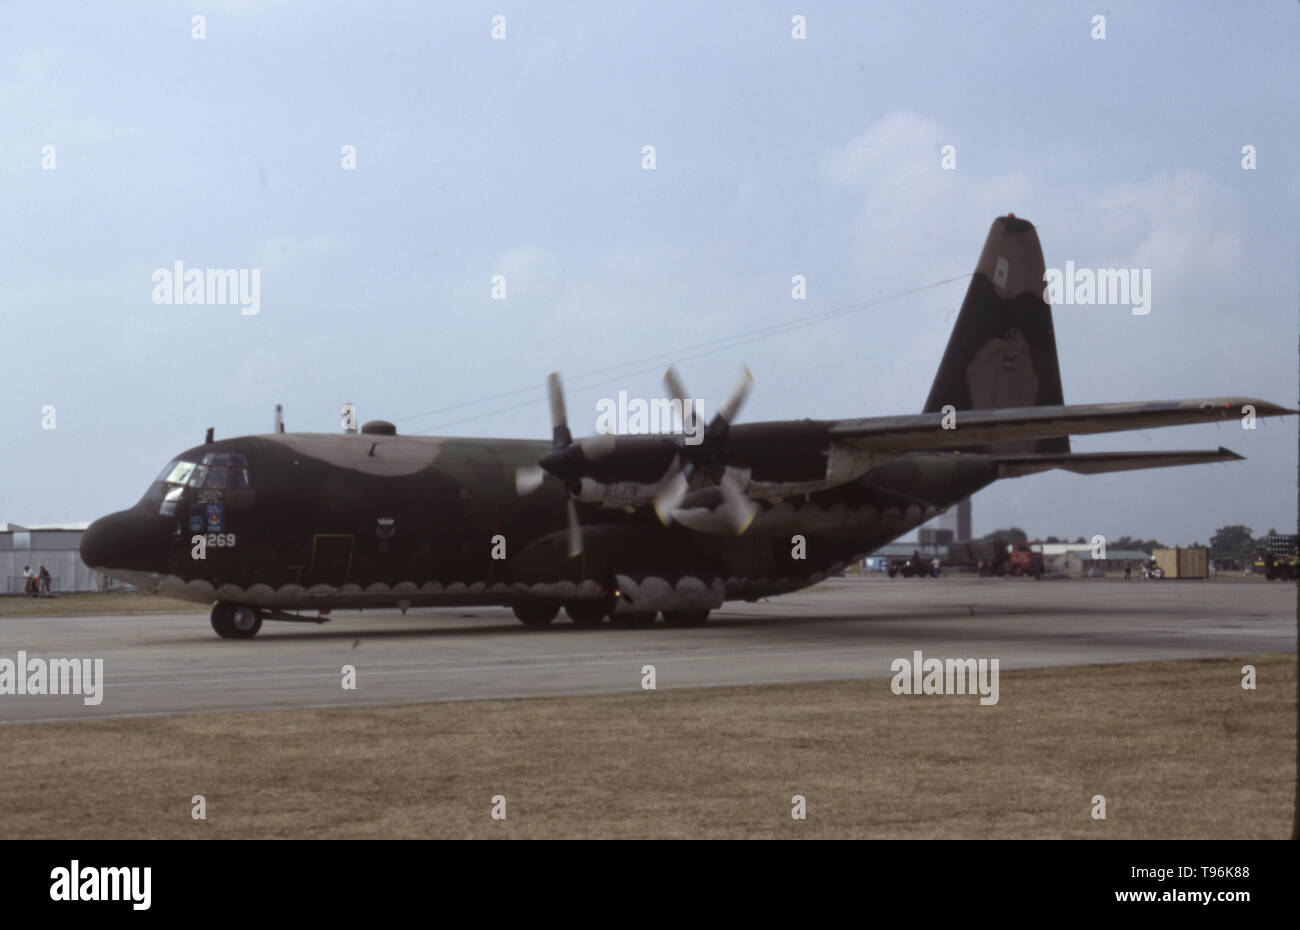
column 1188, row 223
column 897, row 147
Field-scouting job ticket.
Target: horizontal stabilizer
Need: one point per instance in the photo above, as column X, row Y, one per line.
column 970, row 428
column 1096, row 463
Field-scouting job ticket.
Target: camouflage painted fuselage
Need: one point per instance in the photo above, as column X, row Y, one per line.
column 364, row 520
column 292, row 521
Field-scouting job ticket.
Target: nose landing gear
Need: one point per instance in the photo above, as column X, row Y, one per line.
column 234, row 621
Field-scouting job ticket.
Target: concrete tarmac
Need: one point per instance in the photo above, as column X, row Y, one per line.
column 845, row 628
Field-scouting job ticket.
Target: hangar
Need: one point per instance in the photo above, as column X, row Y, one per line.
column 56, row 546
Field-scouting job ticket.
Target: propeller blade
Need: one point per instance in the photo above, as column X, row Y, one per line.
column 559, row 422
column 597, row 446
column 575, row 531
column 528, row 478
column 740, row 509
column 675, row 387
column 733, row 403
column 670, row 498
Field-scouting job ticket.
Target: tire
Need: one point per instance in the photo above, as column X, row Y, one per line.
column 233, row 621
column 637, row 621
column 680, row 619
column 587, row 613
column 893, row 572
column 535, row 613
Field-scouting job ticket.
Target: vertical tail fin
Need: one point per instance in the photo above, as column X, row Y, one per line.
column 1002, row 351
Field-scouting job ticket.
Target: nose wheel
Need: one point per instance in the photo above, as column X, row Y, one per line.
column 234, row 621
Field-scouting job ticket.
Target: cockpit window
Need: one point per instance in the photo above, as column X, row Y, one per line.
column 180, row 471
column 223, row 470
column 217, row 471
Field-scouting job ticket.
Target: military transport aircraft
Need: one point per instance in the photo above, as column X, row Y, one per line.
column 624, row 527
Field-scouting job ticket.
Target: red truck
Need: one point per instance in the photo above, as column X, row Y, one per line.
column 991, row 558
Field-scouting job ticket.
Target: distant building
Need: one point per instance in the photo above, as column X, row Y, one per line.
column 956, row 519
column 55, row 546
column 1076, row 561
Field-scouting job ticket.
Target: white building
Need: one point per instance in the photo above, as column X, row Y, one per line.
column 56, row 546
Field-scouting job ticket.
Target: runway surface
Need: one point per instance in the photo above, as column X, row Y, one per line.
column 845, row 628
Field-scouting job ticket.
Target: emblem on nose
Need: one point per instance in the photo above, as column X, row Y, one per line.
column 385, row 531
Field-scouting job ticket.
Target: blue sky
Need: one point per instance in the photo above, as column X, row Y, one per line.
column 522, row 157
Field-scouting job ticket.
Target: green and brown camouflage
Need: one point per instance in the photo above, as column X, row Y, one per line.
column 305, row 521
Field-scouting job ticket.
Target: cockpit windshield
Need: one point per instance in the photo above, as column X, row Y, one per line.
column 216, row 471
column 176, row 472
column 221, row 470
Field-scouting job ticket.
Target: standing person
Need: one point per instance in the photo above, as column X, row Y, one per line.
column 1128, row 569
column 29, row 580
column 43, row 582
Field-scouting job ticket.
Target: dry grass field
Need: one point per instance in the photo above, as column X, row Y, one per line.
column 1179, row 749
column 118, row 603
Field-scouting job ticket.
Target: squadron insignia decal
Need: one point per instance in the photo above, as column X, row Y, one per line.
column 385, row 531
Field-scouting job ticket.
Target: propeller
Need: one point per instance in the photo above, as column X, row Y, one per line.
column 709, row 453
column 567, row 460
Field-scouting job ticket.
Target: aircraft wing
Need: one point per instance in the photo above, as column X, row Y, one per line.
column 924, row 432
column 1096, row 463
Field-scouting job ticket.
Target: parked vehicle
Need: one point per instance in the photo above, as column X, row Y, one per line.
column 916, row 566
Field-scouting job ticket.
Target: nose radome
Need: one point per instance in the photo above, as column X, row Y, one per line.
column 96, row 543
column 126, row 539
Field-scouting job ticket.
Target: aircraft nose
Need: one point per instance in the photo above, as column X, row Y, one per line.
column 127, row 539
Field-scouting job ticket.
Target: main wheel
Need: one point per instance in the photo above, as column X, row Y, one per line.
column 231, row 621
column 587, row 613
column 535, row 613
column 686, row 618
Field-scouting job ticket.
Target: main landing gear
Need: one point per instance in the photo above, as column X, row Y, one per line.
column 536, row 613
column 233, row 621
